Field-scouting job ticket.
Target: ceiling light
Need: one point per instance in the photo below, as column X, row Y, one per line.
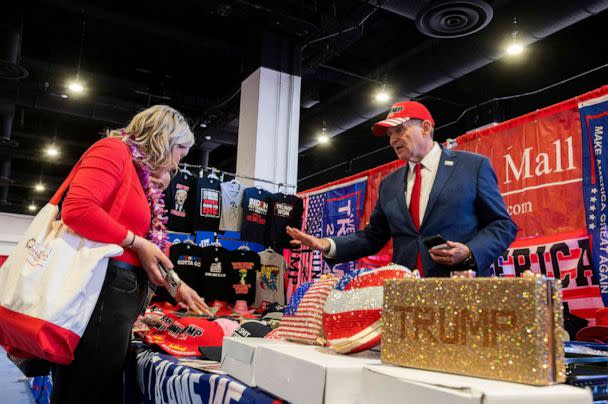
column 382, row 96
column 207, row 137
column 32, row 207
column 515, row 48
column 323, row 139
column 52, row 151
column 39, row 187
column 76, row 87
column 64, row 96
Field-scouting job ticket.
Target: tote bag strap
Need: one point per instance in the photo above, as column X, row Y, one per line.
column 66, row 184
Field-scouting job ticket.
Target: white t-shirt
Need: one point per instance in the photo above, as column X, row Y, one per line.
column 232, row 211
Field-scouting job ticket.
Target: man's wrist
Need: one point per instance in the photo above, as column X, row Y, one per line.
column 469, row 262
column 326, row 245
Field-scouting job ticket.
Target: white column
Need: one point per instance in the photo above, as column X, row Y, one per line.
column 269, row 122
column 12, row 230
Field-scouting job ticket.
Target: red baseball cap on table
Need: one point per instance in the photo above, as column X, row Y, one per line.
column 185, row 335
column 597, row 332
column 402, row 112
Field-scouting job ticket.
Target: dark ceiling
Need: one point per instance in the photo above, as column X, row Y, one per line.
column 193, row 56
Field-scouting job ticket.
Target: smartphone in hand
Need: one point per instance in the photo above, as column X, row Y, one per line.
column 435, row 242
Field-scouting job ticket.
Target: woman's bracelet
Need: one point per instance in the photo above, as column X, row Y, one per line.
column 132, row 241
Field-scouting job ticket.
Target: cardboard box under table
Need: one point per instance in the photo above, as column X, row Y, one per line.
column 311, row 374
column 389, row 384
column 495, row 328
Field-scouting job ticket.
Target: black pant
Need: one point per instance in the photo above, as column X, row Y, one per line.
column 96, row 374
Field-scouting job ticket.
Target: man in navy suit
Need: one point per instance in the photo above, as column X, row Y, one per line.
column 439, row 191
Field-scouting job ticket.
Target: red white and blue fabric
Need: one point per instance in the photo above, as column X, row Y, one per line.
column 305, row 325
column 352, row 318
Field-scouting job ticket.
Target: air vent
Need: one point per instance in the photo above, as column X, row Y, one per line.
column 11, row 71
column 453, row 18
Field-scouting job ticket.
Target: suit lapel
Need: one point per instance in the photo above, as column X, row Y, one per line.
column 444, row 171
column 401, row 197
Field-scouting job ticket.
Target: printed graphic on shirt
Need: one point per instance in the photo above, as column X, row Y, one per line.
column 189, row 260
column 258, row 210
column 181, row 196
column 269, row 278
column 242, row 287
column 210, row 203
column 215, row 270
column 283, row 209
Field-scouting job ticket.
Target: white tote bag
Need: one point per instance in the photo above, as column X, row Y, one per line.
column 49, row 286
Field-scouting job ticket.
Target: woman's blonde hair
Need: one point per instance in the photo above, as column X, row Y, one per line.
column 157, row 130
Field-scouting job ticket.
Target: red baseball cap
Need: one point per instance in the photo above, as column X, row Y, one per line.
column 185, row 335
column 400, row 113
column 597, row 332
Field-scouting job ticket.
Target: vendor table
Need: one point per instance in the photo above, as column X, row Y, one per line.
column 161, row 379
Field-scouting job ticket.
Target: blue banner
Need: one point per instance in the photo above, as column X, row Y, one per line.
column 342, row 213
column 594, row 124
column 162, row 379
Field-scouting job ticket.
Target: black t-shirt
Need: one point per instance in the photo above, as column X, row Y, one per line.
column 216, row 268
column 255, row 215
column 180, row 198
column 285, row 210
column 209, row 203
column 243, row 267
column 188, row 264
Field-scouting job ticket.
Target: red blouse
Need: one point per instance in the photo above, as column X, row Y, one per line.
column 106, row 198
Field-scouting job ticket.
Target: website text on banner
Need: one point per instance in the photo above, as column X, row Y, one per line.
column 539, row 170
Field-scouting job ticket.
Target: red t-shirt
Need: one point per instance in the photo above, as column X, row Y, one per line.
column 106, row 197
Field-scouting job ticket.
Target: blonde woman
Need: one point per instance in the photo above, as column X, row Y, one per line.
column 116, row 197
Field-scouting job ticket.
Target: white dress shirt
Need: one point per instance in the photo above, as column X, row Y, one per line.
column 428, row 171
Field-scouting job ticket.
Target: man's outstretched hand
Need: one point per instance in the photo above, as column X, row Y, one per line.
column 299, row 238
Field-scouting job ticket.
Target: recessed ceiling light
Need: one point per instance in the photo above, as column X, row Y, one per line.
column 39, row 187
column 382, row 96
column 323, row 139
column 52, row 151
column 515, row 48
column 76, row 87
column 64, row 96
column 32, row 207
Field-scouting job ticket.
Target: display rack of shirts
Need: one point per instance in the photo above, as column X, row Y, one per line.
column 255, row 215
column 180, row 202
column 244, row 266
column 232, row 209
column 215, row 270
column 209, row 204
column 284, row 210
column 270, row 280
column 237, row 175
column 187, row 260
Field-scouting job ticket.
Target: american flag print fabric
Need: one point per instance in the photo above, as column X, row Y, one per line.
column 306, row 324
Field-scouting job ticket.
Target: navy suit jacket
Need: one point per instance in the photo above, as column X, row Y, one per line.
column 464, row 206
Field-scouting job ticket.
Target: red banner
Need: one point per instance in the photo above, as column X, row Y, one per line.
column 539, row 168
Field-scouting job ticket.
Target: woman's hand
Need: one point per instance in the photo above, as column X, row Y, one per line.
column 150, row 257
column 189, row 298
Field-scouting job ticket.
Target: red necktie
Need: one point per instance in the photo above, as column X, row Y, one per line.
column 415, row 209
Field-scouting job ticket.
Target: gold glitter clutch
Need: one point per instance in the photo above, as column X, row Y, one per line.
column 496, row 328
